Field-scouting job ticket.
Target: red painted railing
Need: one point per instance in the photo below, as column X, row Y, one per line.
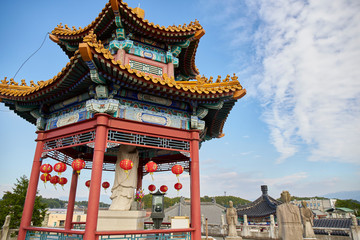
column 153, row 231
column 55, row 230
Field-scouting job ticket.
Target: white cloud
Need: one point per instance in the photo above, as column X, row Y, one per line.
column 311, row 88
column 5, row 188
column 247, row 184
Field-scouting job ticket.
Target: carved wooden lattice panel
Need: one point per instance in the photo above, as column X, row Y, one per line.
column 150, row 141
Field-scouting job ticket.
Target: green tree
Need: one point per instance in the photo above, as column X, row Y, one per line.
column 349, row 203
column 13, row 203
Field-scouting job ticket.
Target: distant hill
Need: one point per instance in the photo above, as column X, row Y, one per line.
column 224, row 200
column 57, row 203
column 344, row 195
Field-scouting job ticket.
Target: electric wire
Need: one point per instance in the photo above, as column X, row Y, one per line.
column 31, row 55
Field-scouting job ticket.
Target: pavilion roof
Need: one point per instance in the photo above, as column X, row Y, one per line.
column 202, row 88
column 104, row 25
column 74, row 79
column 262, row 207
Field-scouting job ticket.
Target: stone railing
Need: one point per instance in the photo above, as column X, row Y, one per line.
column 258, row 231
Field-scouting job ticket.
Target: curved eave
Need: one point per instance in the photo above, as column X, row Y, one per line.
column 164, row 85
column 70, row 82
column 74, row 80
column 74, row 77
column 104, row 25
column 187, row 65
column 261, row 207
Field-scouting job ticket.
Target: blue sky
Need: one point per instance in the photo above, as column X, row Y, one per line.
column 298, row 127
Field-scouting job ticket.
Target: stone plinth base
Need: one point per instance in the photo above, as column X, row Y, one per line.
column 233, row 238
column 115, row 220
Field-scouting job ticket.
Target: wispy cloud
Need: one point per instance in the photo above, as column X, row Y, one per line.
column 311, row 87
column 301, row 60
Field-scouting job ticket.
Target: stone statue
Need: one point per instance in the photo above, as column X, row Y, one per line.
column 289, row 220
column 308, row 220
column 124, row 186
column 272, row 227
column 354, row 220
column 231, row 219
column 5, row 228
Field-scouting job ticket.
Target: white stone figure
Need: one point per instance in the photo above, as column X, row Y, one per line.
column 308, row 220
column 272, row 227
column 5, row 228
column 289, row 220
column 355, row 229
column 246, row 230
column 231, row 219
column 124, row 186
column 223, row 225
column 354, row 220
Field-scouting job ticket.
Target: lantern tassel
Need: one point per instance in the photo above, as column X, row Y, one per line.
column 62, row 186
column 151, row 174
column 44, row 185
column 55, row 187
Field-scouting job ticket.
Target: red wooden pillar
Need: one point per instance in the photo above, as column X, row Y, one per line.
column 96, row 173
column 71, row 202
column 195, row 186
column 140, row 177
column 32, row 188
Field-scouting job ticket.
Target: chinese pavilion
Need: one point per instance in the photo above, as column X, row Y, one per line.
column 130, row 82
column 260, row 209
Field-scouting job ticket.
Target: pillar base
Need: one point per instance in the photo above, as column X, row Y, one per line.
column 115, row 220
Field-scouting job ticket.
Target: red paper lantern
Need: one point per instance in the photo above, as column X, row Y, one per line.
column 151, row 167
column 60, row 167
column 87, row 183
column 45, row 177
column 127, row 165
column 78, row 164
column 105, row 185
column 54, row 180
column 177, row 169
column 178, row 186
column 62, row 182
column 163, row 188
column 46, row 169
column 152, row 188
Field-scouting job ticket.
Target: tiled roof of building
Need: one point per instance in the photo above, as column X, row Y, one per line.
column 261, row 207
column 334, row 222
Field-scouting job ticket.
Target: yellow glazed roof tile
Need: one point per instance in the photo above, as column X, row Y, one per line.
column 201, row 85
column 65, row 30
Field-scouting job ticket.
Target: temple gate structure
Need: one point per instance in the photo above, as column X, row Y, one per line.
column 128, row 82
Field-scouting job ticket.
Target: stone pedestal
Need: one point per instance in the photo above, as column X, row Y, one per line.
column 233, row 238
column 115, row 220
